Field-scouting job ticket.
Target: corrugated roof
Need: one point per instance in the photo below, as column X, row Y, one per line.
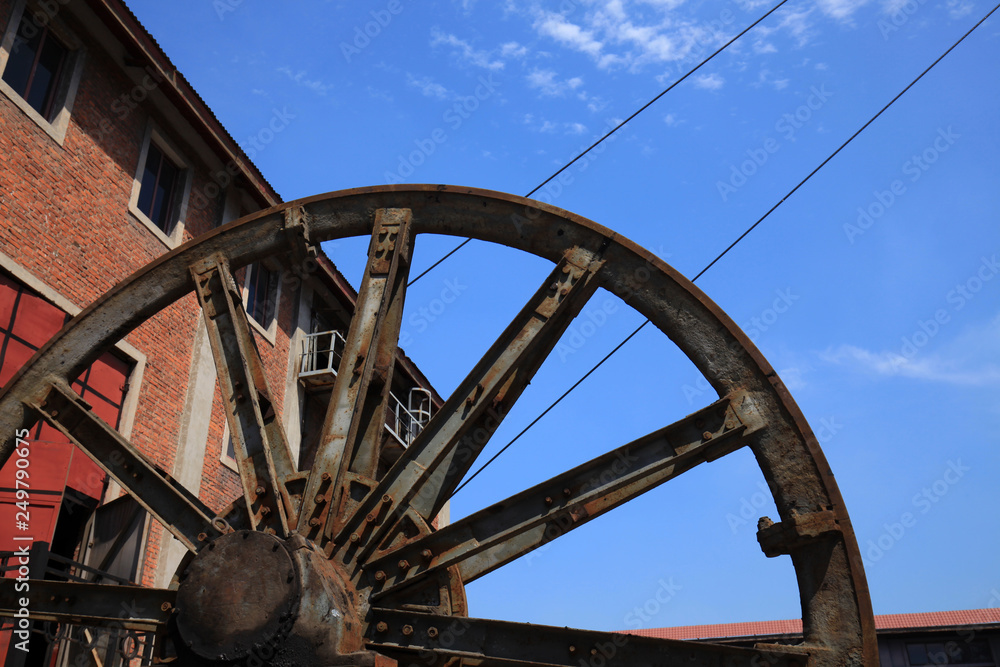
column 937, row 619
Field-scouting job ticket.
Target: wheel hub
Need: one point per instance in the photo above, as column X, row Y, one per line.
column 239, row 592
column 249, row 594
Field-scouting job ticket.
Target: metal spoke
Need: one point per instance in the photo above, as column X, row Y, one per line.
column 428, row 472
column 262, row 453
column 407, row 634
column 354, row 424
column 175, row 507
column 96, row 605
column 511, row 528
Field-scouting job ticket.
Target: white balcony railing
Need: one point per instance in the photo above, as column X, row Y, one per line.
column 321, row 354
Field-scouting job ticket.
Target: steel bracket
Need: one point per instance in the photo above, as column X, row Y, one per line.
column 777, row 539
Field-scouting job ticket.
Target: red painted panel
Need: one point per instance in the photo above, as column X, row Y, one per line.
column 85, row 476
column 16, row 356
column 46, row 471
column 107, row 377
column 37, row 320
column 8, row 294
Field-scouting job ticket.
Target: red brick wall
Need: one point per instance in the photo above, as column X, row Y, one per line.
column 64, row 217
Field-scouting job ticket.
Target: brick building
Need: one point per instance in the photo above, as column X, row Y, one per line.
column 970, row 638
column 108, row 160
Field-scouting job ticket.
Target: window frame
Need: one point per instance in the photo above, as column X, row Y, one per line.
column 269, row 331
column 182, row 188
column 67, row 81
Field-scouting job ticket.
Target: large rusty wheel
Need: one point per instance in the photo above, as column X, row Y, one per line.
column 335, row 566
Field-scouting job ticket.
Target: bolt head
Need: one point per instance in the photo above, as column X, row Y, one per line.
column 427, row 554
column 432, row 632
column 381, row 626
column 314, row 522
column 407, row 630
column 260, row 490
column 548, row 500
column 355, row 538
column 325, row 477
column 404, row 565
column 707, row 435
column 380, row 576
column 202, row 537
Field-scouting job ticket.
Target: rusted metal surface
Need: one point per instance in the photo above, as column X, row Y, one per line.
column 382, row 549
column 262, row 453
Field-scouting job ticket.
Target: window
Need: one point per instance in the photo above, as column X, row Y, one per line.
column 161, row 188
column 262, row 294
column 36, row 62
column 158, row 189
column 958, row 651
column 41, row 62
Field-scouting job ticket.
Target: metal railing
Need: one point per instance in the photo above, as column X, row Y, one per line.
column 321, row 354
column 74, row 644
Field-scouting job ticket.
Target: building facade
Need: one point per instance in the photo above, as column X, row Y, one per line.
column 970, row 638
column 108, row 160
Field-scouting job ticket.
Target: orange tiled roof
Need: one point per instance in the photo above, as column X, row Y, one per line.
column 794, row 626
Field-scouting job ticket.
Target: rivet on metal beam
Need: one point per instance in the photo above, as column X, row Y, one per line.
column 427, row 554
column 380, row 576
column 707, row 435
column 381, row 626
column 404, row 565
column 432, row 632
column 407, row 630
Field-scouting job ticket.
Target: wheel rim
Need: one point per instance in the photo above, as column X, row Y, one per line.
column 391, row 560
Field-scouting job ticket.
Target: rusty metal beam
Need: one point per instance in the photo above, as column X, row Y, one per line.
column 262, row 453
column 129, row 607
column 171, row 504
column 426, row 475
column 488, row 643
column 352, row 428
column 507, row 530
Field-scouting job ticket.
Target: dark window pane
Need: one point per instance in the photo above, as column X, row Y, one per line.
column 261, row 288
column 917, row 654
column 936, row 654
column 34, row 66
column 22, row 57
column 50, row 64
column 158, row 188
column 164, row 199
column 979, row 651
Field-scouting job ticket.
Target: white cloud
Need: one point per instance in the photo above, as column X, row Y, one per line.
column 300, row 78
column 428, row 87
column 569, row 34
column 959, row 8
column 670, row 120
column 465, row 51
column 958, row 361
column 709, row 81
column 761, row 47
column 840, row 9
column 546, row 81
column 513, row 50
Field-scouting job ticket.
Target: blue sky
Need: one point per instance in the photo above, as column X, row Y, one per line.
column 874, row 290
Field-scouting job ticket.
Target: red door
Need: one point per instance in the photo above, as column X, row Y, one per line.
column 26, row 322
